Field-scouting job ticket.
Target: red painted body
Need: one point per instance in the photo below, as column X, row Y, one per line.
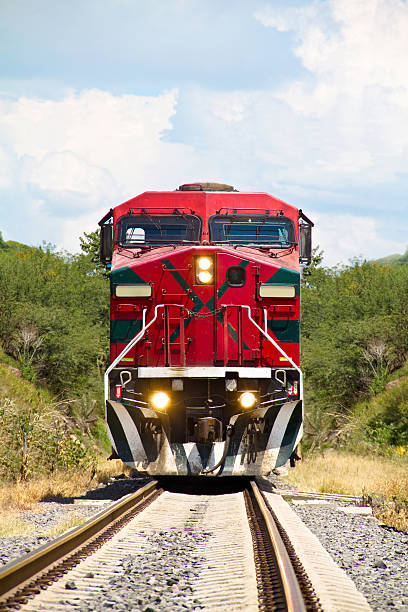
column 206, row 341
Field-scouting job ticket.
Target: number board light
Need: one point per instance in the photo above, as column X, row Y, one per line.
column 133, row 290
column 277, row 291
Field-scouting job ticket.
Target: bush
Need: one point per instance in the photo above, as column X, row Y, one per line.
column 54, row 326
column 354, row 335
column 54, row 317
column 389, row 423
column 39, row 439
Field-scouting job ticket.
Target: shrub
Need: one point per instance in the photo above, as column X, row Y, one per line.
column 38, row 439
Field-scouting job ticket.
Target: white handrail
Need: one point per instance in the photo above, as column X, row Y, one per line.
column 275, row 344
column 145, row 327
column 132, row 343
column 125, row 351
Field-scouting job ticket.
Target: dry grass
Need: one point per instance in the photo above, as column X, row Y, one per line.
column 350, row 474
column 15, row 497
column 393, row 517
column 20, row 496
column 11, row 525
column 69, row 522
column 383, row 481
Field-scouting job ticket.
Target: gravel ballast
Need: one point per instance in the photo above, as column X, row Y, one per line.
column 183, row 552
column 42, row 522
column 374, row 556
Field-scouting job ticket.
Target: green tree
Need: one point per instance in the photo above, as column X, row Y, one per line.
column 354, row 334
column 3, row 245
column 54, row 317
column 90, row 246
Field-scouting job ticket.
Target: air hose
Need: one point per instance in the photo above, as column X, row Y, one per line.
column 229, row 432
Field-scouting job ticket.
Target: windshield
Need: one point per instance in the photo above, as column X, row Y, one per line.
column 273, row 231
column 152, row 230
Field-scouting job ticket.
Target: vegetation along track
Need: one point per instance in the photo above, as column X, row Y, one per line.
column 239, row 557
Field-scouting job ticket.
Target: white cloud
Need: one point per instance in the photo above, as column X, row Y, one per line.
column 343, row 42
column 105, row 130
column 336, row 136
column 343, row 237
column 68, row 184
column 356, row 88
column 7, row 168
column 75, row 157
column 230, row 107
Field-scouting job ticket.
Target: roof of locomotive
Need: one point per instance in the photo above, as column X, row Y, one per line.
column 205, row 203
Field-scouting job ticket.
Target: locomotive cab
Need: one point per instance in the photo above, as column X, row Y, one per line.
column 205, row 306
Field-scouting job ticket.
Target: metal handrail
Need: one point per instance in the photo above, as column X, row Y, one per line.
column 145, row 327
column 275, row 344
column 133, row 342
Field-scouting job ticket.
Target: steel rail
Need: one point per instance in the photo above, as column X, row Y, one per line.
column 19, row 573
column 341, row 497
column 293, row 594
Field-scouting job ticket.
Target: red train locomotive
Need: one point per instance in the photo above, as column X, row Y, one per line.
column 204, row 376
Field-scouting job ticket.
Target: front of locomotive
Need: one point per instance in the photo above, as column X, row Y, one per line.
column 204, row 376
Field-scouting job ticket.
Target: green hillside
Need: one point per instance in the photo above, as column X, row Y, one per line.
column 355, row 340
column 392, row 259
column 54, row 325
column 39, row 434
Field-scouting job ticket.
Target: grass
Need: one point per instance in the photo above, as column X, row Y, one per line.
column 22, row 391
column 16, row 497
column 68, row 522
column 11, row 525
column 382, row 481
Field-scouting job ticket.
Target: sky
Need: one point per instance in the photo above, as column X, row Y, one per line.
column 101, row 100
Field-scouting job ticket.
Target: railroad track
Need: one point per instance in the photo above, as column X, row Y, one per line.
column 291, row 494
column 206, row 551
column 26, row 577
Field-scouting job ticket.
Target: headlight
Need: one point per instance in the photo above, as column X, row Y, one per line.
column 247, row 400
column 204, row 270
column 204, row 277
column 204, row 263
column 160, row 400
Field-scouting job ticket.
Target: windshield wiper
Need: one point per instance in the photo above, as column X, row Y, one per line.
column 152, row 221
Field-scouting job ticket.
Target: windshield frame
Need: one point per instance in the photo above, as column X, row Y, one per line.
column 156, row 219
column 265, row 218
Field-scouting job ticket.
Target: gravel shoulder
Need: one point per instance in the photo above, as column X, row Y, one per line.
column 374, row 556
